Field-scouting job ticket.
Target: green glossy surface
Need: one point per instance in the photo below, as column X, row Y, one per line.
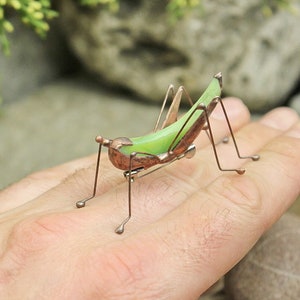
column 159, row 142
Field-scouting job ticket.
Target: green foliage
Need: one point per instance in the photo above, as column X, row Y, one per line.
column 112, row 5
column 36, row 14
column 33, row 13
column 178, row 8
column 271, row 6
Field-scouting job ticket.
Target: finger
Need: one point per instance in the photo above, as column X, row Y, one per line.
column 38, row 183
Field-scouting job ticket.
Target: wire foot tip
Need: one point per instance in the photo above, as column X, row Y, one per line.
column 225, row 140
column 80, row 204
column 255, row 157
column 240, row 171
column 120, row 229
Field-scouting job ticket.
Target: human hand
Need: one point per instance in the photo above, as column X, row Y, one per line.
column 191, row 223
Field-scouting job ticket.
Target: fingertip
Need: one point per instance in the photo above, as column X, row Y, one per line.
column 294, row 132
column 281, row 118
column 235, row 109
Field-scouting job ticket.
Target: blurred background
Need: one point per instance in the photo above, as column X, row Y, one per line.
column 104, row 69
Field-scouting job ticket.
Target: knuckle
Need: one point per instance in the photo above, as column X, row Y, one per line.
column 241, row 191
column 117, row 273
column 34, row 234
column 27, row 239
column 157, row 191
column 124, row 269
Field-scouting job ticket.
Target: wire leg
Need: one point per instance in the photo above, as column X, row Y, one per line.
column 81, row 203
column 253, row 157
column 120, row 228
column 169, row 91
column 239, row 171
column 172, row 113
column 207, row 133
column 130, row 177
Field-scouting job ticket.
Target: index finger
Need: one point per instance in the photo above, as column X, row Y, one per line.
column 39, row 182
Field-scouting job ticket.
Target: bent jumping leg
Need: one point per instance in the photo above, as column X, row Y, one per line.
column 253, row 157
column 240, row 171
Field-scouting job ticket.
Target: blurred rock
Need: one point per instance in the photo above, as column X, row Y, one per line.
column 139, row 49
column 33, row 62
column 271, row 270
column 295, row 103
column 216, row 292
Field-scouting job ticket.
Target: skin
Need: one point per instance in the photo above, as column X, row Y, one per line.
column 190, row 225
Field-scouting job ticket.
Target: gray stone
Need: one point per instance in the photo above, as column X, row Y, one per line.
column 33, row 61
column 216, row 292
column 59, row 123
column 295, row 103
column 139, row 49
column 272, row 268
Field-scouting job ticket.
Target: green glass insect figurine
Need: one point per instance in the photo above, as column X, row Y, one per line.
column 173, row 141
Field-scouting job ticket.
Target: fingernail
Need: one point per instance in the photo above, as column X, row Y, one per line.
column 294, row 132
column 281, row 118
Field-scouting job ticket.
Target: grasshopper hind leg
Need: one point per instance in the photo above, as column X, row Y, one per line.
column 239, row 171
column 254, row 157
column 129, row 175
